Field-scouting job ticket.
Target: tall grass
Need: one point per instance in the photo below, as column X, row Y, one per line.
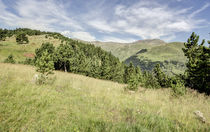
column 79, row 103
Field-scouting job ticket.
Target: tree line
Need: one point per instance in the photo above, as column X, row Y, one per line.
column 86, row 59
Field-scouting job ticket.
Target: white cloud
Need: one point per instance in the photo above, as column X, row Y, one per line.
column 101, row 25
column 114, row 39
column 79, row 35
column 146, row 19
column 149, row 19
column 42, row 15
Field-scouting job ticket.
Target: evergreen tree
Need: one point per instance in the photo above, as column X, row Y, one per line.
column 45, row 66
column 139, row 74
column 149, row 81
column 21, row 38
column 44, row 47
column 129, row 72
column 64, row 56
column 2, row 35
column 160, row 76
column 131, row 77
column 10, row 59
column 198, row 68
column 105, row 67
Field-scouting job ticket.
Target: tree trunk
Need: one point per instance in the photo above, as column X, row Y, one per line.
column 65, row 67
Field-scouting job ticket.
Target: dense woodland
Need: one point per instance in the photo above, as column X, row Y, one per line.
column 86, row 59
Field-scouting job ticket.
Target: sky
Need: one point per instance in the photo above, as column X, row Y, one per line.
column 111, row 20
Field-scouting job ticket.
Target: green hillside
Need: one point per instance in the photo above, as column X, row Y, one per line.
column 125, row 50
column 23, row 51
column 79, row 104
column 147, row 53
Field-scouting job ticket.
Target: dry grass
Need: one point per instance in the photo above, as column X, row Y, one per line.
column 78, row 103
column 19, row 50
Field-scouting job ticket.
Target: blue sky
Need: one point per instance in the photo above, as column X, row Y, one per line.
column 111, row 20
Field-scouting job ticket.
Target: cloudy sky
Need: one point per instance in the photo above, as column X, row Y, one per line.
column 110, row 20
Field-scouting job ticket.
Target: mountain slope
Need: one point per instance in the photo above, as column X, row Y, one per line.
column 79, row 103
column 147, row 53
column 125, row 50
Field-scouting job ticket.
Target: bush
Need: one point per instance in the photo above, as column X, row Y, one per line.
column 149, row 81
column 161, row 77
column 178, row 88
column 133, row 83
column 21, row 38
column 27, row 61
column 10, row 59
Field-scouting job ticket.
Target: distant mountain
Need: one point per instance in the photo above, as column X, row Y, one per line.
column 147, row 53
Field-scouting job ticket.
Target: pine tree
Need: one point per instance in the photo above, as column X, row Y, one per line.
column 129, row 72
column 45, row 66
column 10, row 59
column 198, row 67
column 2, row 35
column 44, row 47
column 149, row 81
column 160, row 76
column 139, row 74
column 105, row 67
column 64, row 56
column 131, row 77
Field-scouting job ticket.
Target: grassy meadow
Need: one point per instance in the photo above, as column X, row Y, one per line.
column 78, row 103
column 21, row 51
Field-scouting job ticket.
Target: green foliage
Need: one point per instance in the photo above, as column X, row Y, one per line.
column 139, row 74
column 2, row 35
column 45, row 66
column 160, row 76
column 133, row 83
column 64, row 55
column 44, row 47
column 10, row 59
column 178, row 87
column 149, row 81
column 27, row 61
column 21, row 38
column 198, row 68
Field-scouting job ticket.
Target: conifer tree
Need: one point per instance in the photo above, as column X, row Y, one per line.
column 198, row 68
column 45, row 65
column 139, row 74
column 64, row 56
column 160, row 76
column 131, row 77
column 105, row 67
column 21, row 38
column 44, row 47
column 2, row 35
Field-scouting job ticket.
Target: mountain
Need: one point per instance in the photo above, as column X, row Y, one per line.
column 147, row 53
column 143, row 53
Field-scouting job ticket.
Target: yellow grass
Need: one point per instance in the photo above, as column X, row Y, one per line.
column 75, row 102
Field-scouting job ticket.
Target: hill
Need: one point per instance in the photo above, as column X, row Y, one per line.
column 147, row 53
column 79, row 103
column 23, row 51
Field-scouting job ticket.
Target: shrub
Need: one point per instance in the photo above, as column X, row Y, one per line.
column 149, row 81
column 21, row 38
column 10, row 59
column 178, row 88
column 161, row 77
column 133, row 83
column 45, row 66
column 27, row 61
